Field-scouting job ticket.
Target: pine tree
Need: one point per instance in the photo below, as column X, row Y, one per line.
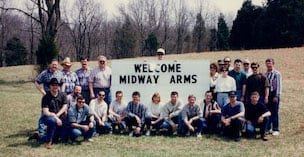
column 15, row 52
column 222, row 34
column 199, row 34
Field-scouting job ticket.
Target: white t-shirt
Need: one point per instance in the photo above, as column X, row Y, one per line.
column 226, row 84
column 119, row 108
column 155, row 109
column 99, row 108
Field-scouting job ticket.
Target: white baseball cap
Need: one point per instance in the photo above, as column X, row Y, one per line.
column 161, row 51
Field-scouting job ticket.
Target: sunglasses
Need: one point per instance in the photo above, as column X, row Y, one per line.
column 254, row 67
column 102, row 62
column 80, row 101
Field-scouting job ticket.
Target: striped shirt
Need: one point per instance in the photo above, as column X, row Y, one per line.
column 275, row 82
column 83, row 77
column 101, row 78
column 45, row 77
column 139, row 110
column 70, row 80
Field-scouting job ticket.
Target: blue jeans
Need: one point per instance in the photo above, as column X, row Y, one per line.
column 86, row 95
column 168, row 124
column 213, row 122
column 222, row 99
column 238, row 95
column 103, row 129
column 51, row 124
column 234, row 129
column 200, row 124
column 156, row 125
column 41, row 125
column 274, row 118
column 250, row 128
column 75, row 132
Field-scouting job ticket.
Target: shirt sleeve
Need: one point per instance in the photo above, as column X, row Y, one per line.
column 44, row 102
column 72, row 116
column 184, row 113
column 129, row 110
column 40, row 77
column 178, row 110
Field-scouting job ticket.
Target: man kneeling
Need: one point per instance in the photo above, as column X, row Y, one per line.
column 81, row 120
column 256, row 116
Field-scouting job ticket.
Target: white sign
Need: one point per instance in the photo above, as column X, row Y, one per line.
column 162, row 76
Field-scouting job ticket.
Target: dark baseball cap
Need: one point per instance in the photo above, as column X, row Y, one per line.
column 232, row 93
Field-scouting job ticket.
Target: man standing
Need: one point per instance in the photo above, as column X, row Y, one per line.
column 99, row 109
column 257, row 82
column 70, row 78
column 81, row 120
column 227, row 61
column 100, row 80
column 256, row 116
column 83, row 76
column 233, row 117
column 171, row 113
column 240, row 79
column 246, row 68
column 275, row 81
column 192, row 117
column 211, row 113
column 54, row 105
column 136, row 115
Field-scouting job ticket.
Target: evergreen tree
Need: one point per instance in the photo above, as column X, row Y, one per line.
column 47, row 50
column 15, row 52
column 222, row 34
column 213, row 40
column 151, row 44
column 199, row 34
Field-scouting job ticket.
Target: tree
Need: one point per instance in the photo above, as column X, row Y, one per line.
column 124, row 40
column 15, row 52
column 199, row 33
column 213, row 40
column 151, row 44
column 181, row 25
column 222, row 33
column 47, row 50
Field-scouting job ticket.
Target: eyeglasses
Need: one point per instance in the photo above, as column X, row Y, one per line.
column 101, row 95
column 254, row 67
column 246, row 64
column 80, row 101
column 102, row 62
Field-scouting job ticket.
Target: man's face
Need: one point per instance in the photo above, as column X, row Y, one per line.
column 119, row 97
column 77, row 90
column 101, row 95
column 174, row 99
column 54, row 87
column 232, row 99
column 84, row 63
column 66, row 68
column 254, row 99
column 246, row 66
column 80, row 103
column 54, row 66
column 237, row 66
column 208, row 97
column 136, row 99
column 191, row 101
column 254, row 69
column 269, row 65
column 102, row 63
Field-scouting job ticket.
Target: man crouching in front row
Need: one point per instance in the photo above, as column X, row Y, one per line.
column 81, row 120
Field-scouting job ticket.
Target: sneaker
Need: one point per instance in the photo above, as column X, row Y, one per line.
column 188, row 133
column 238, row 139
column 275, row 133
column 131, row 133
column 34, row 136
column 95, row 134
column 264, row 137
column 199, row 135
column 48, row 145
column 148, row 132
column 110, row 132
column 90, row 140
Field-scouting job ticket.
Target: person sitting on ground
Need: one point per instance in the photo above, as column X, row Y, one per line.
column 72, row 98
column 211, row 113
column 233, row 117
column 81, row 120
column 257, row 116
column 191, row 118
column 136, row 115
column 99, row 109
column 154, row 111
column 117, row 113
column 171, row 113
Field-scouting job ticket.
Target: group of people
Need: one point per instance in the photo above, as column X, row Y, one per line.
column 79, row 103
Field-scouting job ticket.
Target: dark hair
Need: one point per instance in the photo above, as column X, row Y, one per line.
column 80, row 97
column 208, row 91
column 84, row 58
column 214, row 65
column 270, row 60
column 255, row 93
column 254, row 63
column 136, row 93
column 156, row 94
column 174, row 93
column 224, row 69
column 237, row 61
column 118, row 92
column 191, row 96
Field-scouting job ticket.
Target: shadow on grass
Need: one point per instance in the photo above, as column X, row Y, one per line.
column 25, row 134
column 4, row 82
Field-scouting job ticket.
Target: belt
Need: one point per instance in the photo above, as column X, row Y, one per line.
column 223, row 92
column 102, row 88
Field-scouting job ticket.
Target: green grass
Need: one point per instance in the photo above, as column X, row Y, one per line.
column 20, row 110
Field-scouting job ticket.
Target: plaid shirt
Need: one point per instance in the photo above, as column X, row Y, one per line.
column 83, row 76
column 45, row 77
column 70, row 79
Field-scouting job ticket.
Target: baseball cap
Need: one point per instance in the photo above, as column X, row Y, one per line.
column 161, row 51
column 232, row 93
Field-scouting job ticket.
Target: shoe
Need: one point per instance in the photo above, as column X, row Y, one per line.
column 95, row 134
column 90, row 140
column 264, row 137
column 34, row 136
column 188, row 133
column 199, row 135
column 275, row 133
column 148, row 132
column 131, row 133
column 110, row 132
column 48, row 145
column 238, row 139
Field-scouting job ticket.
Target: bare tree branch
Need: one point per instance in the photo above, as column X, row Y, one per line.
column 21, row 11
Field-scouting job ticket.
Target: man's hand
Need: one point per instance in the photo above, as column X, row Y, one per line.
column 91, row 124
column 261, row 119
column 227, row 122
column 85, row 128
column 191, row 128
column 138, row 120
column 92, row 96
column 266, row 100
column 58, row 121
column 101, row 123
column 137, row 130
column 275, row 99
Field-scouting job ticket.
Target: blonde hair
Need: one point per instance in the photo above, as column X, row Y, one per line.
column 102, row 57
column 156, row 94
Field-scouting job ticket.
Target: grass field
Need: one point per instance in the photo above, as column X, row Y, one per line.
column 20, row 109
